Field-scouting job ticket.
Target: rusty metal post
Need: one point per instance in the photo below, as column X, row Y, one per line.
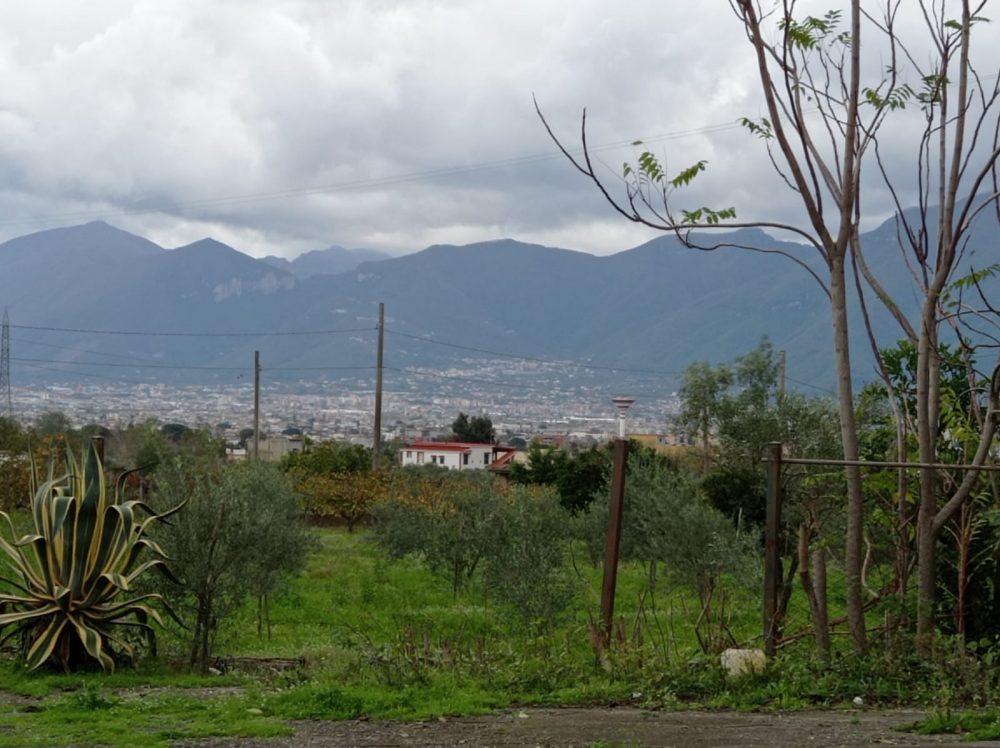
column 772, row 556
column 614, row 537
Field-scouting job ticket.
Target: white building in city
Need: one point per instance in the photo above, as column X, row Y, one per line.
column 452, row 455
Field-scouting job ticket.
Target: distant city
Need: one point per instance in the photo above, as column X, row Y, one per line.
column 344, row 409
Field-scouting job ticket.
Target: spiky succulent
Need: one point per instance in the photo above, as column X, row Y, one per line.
column 72, row 574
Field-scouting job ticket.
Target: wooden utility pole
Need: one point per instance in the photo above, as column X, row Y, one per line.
column 781, row 375
column 377, row 440
column 256, row 404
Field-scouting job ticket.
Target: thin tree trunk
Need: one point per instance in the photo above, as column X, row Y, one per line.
column 817, row 607
column 926, row 435
column 964, row 543
column 822, row 611
column 903, row 527
column 853, row 554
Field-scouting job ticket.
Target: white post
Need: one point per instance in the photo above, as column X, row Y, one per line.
column 623, row 403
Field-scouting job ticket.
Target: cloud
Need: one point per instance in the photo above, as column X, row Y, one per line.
column 286, row 125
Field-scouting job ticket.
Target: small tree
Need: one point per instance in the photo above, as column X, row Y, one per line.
column 445, row 519
column 240, row 535
column 475, row 430
column 470, row 528
column 667, row 521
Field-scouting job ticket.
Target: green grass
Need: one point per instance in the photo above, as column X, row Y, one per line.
column 972, row 725
column 390, row 640
column 93, row 716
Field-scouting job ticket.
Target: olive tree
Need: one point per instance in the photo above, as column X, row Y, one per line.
column 240, row 535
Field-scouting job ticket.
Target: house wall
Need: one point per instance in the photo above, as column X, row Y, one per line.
column 479, row 457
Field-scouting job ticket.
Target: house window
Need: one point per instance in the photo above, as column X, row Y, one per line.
column 420, row 456
column 409, row 454
column 486, row 458
column 465, row 459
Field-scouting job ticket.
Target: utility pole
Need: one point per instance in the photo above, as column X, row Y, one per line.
column 5, row 363
column 377, row 441
column 610, row 581
column 781, row 376
column 256, row 404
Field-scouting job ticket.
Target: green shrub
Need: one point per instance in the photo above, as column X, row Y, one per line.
column 466, row 527
column 525, row 565
column 445, row 519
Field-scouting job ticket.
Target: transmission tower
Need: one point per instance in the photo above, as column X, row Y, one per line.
column 5, row 363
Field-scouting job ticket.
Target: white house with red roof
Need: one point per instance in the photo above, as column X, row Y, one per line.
column 453, row 455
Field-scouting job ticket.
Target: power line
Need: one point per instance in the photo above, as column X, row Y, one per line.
column 811, row 386
column 85, row 374
column 130, row 366
column 142, row 363
column 193, row 367
column 534, row 359
column 77, row 349
column 148, row 333
column 521, row 386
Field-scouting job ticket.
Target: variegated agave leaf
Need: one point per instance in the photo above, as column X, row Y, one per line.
column 76, row 567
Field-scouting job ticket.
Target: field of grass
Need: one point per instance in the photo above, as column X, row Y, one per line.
column 389, row 639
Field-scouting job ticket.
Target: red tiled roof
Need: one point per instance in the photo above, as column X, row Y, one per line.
column 447, row 446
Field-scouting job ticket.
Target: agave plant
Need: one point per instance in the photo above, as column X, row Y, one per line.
column 73, row 573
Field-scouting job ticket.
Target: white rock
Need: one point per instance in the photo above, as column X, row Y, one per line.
column 858, row 701
column 737, row 662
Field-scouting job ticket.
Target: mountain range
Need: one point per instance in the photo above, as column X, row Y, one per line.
column 653, row 308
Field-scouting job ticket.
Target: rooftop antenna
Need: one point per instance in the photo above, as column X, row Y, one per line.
column 5, row 363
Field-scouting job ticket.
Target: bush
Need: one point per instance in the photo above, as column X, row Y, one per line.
column 346, row 497
column 445, row 519
column 525, row 556
column 461, row 524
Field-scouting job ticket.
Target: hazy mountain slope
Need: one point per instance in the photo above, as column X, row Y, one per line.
column 330, row 261
column 52, row 274
column 659, row 306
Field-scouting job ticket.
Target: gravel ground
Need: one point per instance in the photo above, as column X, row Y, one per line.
column 619, row 727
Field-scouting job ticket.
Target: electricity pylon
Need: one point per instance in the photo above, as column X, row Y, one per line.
column 5, row 363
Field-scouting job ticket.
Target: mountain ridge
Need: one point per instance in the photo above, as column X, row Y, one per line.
column 657, row 306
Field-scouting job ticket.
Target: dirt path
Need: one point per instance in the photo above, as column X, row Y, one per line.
column 620, row 728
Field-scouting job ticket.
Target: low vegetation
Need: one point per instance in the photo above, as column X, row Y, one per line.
column 421, row 593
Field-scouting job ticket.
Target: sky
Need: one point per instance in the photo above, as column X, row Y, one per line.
column 281, row 126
